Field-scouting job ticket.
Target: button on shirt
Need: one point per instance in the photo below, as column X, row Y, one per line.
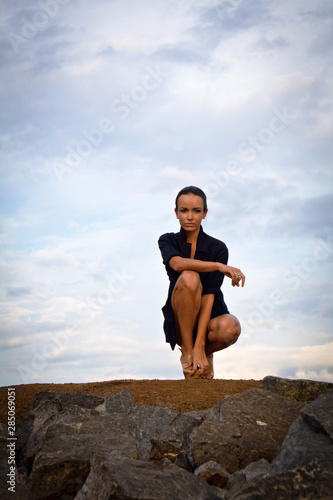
column 208, row 249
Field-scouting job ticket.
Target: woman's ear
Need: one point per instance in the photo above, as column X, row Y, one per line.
column 205, row 213
column 176, row 213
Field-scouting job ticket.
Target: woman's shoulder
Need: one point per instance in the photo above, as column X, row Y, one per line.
column 168, row 236
column 214, row 242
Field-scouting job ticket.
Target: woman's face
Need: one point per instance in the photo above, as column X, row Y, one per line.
column 190, row 211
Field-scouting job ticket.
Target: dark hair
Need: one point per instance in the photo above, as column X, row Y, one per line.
column 192, row 190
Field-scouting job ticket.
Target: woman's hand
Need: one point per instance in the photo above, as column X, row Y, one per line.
column 199, row 359
column 233, row 273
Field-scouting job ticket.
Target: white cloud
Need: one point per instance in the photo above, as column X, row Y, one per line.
column 54, row 258
column 81, row 246
column 257, row 361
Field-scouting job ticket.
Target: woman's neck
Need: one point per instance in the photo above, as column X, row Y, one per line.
column 192, row 236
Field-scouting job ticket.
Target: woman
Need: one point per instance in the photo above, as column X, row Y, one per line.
column 195, row 314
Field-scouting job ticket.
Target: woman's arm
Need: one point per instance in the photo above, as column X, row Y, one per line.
column 203, row 319
column 181, row 264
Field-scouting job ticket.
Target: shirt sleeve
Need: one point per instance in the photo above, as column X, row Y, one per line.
column 212, row 281
column 168, row 247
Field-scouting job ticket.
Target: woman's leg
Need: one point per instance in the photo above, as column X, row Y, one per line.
column 223, row 331
column 186, row 303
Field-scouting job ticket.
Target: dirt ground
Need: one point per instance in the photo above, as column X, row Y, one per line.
column 179, row 395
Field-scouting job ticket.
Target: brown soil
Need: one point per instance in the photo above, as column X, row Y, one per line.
column 179, row 395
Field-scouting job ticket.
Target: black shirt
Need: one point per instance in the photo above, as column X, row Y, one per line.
column 208, row 249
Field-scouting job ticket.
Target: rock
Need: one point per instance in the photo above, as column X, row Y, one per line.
column 243, row 428
column 63, row 438
column 319, row 414
column 63, row 462
column 251, row 471
column 123, row 402
column 65, row 400
column 300, row 390
column 309, row 437
column 84, row 447
column 213, row 473
column 160, row 432
column 304, row 466
column 308, row 482
column 47, row 409
column 125, row 479
column 199, row 415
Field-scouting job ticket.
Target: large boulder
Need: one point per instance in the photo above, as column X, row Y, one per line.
column 243, row 428
column 160, row 432
column 300, row 390
column 125, row 479
column 63, row 462
column 57, row 439
column 47, row 409
column 304, row 466
column 309, row 438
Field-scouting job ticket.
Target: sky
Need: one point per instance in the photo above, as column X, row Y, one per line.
column 108, row 109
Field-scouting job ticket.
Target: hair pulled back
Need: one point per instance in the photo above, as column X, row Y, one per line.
column 192, row 190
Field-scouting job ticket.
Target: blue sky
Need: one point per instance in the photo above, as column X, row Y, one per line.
column 108, row 109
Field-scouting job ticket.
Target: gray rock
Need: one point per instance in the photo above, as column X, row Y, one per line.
column 251, row 471
column 308, row 482
column 123, row 402
column 199, row 415
column 63, row 462
column 83, row 448
column 47, row 408
column 300, row 390
column 213, row 474
column 31, row 430
column 160, row 432
column 304, row 466
column 242, row 429
column 308, row 438
column 63, row 439
column 319, row 414
column 124, row 479
column 256, row 469
column 66, row 400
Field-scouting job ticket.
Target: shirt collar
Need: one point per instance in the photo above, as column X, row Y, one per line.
column 201, row 242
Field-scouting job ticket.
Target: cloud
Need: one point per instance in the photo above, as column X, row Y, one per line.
column 256, row 361
column 18, row 291
column 240, row 105
column 54, row 258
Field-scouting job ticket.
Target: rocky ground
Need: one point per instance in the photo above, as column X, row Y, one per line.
column 131, row 439
column 179, row 395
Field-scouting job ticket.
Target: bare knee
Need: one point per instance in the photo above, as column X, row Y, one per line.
column 189, row 280
column 233, row 332
column 226, row 331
